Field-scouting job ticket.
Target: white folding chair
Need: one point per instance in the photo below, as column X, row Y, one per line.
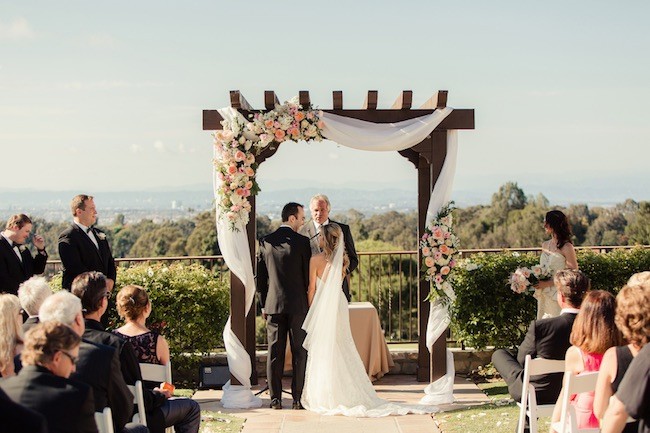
column 574, row 384
column 157, row 373
column 104, row 421
column 138, row 398
column 528, row 405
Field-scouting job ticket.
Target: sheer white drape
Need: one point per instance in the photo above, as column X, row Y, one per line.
column 357, row 134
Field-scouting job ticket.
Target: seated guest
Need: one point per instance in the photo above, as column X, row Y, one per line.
column 97, row 365
column 546, row 338
column 182, row 413
column 11, row 333
column 594, row 331
column 32, row 293
column 134, row 306
column 633, row 320
column 632, row 398
column 16, row 418
column 43, row 384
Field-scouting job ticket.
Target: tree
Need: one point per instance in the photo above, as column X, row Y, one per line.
column 203, row 239
column 638, row 231
column 509, row 197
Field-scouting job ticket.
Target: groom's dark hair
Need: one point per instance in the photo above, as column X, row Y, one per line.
column 289, row 209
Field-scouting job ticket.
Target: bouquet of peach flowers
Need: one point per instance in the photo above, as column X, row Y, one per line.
column 523, row 279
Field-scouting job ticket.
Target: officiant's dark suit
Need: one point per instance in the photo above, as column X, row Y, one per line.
column 546, row 338
column 14, row 271
column 282, row 282
column 78, row 251
column 320, row 207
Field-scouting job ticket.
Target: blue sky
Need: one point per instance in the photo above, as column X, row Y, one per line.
column 98, row 96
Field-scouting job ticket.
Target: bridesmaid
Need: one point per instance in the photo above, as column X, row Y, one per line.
column 557, row 253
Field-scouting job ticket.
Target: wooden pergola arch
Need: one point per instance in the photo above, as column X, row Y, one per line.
column 427, row 156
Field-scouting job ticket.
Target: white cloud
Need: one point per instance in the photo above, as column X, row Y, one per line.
column 15, row 30
column 135, row 148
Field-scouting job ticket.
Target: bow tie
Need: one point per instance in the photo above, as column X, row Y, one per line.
column 89, row 229
column 17, row 245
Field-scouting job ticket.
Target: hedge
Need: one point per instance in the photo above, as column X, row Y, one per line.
column 190, row 307
column 488, row 313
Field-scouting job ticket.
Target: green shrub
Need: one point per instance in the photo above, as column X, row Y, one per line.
column 190, row 307
column 488, row 313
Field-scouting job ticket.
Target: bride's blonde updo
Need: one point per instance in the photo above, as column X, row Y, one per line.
column 132, row 300
column 332, row 236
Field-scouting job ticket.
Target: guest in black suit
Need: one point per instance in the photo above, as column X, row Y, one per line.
column 282, row 281
column 16, row 262
column 32, row 293
column 182, row 413
column 43, row 384
column 546, row 338
column 84, row 248
column 98, row 365
column 320, row 207
column 16, row 418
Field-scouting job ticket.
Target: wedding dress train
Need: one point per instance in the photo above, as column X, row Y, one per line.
column 336, row 382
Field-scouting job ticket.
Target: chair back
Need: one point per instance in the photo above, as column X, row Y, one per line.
column 156, row 372
column 528, row 405
column 104, row 421
column 138, row 398
column 574, row 384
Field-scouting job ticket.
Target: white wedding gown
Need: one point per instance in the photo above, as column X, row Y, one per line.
column 547, row 305
column 336, row 382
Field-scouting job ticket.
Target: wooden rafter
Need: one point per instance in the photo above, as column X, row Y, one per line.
column 404, row 101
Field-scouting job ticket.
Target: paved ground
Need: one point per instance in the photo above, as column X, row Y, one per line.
column 395, row 388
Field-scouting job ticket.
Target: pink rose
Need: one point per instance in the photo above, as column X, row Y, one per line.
column 240, row 156
column 240, row 192
column 437, row 233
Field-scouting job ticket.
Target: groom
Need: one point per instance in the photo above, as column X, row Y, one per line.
column 282, row 281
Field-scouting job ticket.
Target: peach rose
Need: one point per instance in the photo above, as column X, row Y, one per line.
column 268, row 123
column 240, row 156
column 249, row 172
column 429, row 261
column 232, row 169
column 445, row 270
column 299, row 116
column 279, row 134
column 444, row 249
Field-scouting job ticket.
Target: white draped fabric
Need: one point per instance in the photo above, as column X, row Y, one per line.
column 357, row 134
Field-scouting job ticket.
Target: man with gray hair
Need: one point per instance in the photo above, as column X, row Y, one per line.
column 32, row 293
column 98, row 365
column 320, row 207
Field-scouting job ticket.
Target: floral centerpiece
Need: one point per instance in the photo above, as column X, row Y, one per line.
column 439, row 246
column 241, row 140
column 523, row 279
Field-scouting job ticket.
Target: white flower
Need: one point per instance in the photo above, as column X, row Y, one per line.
column 101, row 236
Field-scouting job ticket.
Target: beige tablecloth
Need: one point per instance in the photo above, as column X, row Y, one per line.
column 369, row 339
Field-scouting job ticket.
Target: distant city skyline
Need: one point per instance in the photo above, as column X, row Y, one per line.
column 108, row 97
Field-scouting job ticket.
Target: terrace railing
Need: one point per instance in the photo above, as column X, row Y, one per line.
column 387, row 279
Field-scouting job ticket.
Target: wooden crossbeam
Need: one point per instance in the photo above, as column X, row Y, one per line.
column 371, row 100
column 403, row 101
column 270, row 99
column 337, row 99
column 238, row 102
column 303, row 99
column 438, row 100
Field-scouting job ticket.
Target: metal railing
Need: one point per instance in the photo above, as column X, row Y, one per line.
column 387, row 279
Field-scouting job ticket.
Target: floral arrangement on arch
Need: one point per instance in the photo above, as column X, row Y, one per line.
column 440, row 254
column 523, row 279
column 241, row 140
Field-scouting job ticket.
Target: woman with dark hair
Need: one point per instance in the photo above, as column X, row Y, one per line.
column 557, row 253
column 594, row 332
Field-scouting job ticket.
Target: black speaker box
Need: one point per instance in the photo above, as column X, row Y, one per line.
column 213, row 376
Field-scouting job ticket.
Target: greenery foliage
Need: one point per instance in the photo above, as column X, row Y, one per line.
column 488, row 312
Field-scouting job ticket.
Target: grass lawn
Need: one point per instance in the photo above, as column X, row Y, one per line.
column 500, row 415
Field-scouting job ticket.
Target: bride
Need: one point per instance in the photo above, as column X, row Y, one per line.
column 557, row 253
column 336, row 382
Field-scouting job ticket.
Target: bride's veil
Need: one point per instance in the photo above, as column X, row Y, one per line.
column 323, row 315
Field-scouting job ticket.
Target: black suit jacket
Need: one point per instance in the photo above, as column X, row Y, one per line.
column 99, row 367
column 549, row 339
column 13, row 271
column 130, row 366
column 309, row 230
column 15, row 418
column 283, row 272
column 67, row 405
column 79, row 254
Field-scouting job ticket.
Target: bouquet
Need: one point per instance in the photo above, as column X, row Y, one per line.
column 439, row 246
column 522, row 279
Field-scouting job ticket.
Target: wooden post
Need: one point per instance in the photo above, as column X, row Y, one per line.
column 237, row 313
column 252, row 314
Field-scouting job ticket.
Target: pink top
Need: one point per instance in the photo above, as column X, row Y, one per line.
column 584, row 402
